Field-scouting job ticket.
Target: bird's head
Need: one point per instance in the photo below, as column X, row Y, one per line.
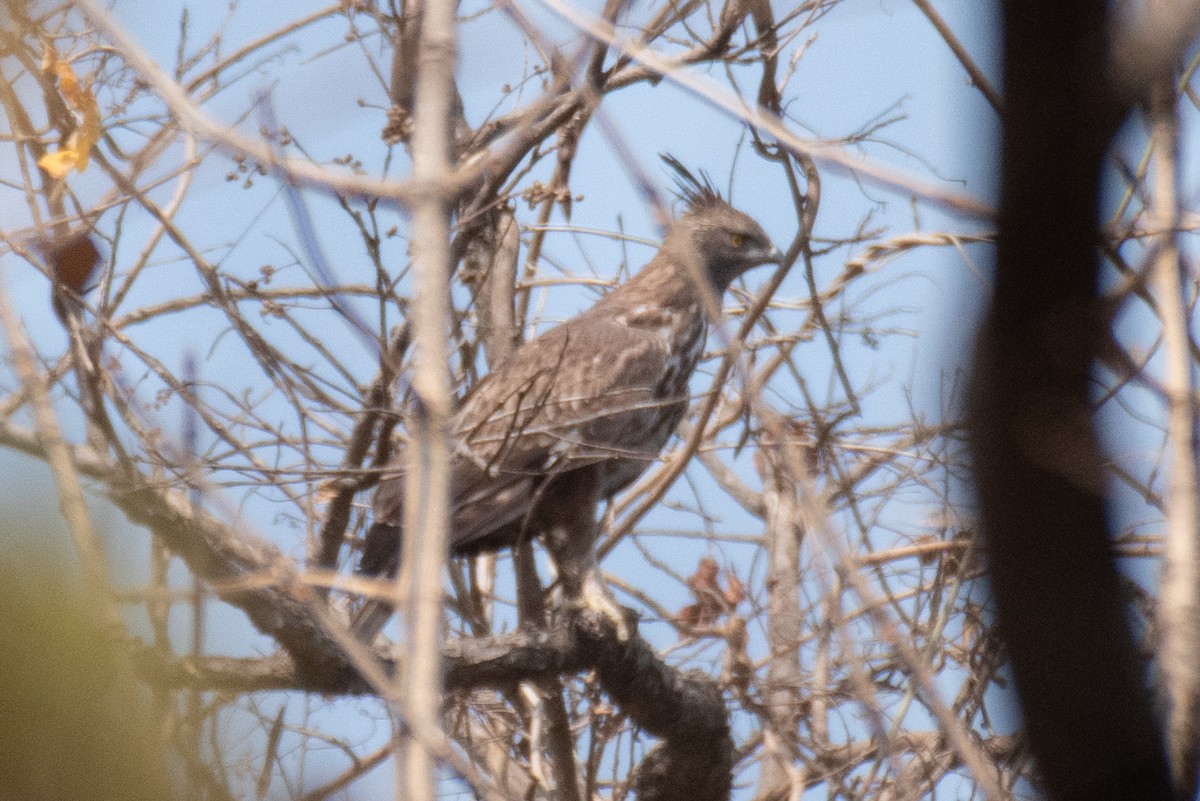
column 724, row 241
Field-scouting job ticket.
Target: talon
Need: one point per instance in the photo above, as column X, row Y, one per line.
column 596, row 597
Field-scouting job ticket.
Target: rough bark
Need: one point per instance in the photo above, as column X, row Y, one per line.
column 694, row 761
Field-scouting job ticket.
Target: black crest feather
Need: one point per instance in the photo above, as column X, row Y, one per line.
column 696, row 192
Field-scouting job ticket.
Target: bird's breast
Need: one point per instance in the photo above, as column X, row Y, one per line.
column 671, row 325
column 685, row 346
column 679, row 332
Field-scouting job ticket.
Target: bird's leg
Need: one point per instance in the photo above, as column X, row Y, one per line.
column 568, row 528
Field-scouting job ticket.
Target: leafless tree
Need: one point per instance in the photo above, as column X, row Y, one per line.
column 244, row 302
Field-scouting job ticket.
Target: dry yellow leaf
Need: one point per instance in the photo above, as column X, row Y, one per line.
column 78, row 146
column 60, row 163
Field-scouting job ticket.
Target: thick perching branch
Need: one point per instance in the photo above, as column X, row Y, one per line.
column 694, row 760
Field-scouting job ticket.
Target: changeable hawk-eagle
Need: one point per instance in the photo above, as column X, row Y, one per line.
column 576, row 414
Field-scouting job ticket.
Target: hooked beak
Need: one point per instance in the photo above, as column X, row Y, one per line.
column 772, row 256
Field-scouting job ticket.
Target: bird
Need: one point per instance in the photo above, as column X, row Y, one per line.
column 576, row 414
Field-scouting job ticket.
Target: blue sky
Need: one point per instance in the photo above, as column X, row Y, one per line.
column 866, row 60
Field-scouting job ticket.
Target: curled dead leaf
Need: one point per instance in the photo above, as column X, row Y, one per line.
column 735, row 591
column 77, row 149
column 72, row 259
column 712, row 600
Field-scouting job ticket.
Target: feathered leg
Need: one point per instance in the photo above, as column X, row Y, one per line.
column 566, row 521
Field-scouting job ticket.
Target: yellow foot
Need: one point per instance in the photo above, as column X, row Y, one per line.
column 595, row 596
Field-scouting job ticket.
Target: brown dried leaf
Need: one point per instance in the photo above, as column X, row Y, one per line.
column 712, row 601
column 72, row 259
column 735, row 591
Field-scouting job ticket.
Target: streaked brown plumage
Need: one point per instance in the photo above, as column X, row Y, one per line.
column 578, row 413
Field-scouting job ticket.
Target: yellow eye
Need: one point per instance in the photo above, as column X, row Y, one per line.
column 737, row 240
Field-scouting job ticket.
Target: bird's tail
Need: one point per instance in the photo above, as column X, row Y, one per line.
column 369, row 620
column 380, row 557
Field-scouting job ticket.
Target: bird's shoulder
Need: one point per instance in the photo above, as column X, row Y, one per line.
column 613, row 344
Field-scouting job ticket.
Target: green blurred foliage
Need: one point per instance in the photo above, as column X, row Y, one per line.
column 73, row 724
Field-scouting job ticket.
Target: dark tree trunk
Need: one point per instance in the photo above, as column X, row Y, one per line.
column 1082, row 686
